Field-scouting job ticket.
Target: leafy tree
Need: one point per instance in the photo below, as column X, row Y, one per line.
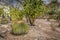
column 33, row 9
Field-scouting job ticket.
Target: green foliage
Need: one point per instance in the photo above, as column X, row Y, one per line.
column 53, row 9
column 4, row 21
column 1, row 11
column 19, row 28
column 33, row 8
column 16, row 14
column 57, row 16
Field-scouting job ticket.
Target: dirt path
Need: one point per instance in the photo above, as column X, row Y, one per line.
column 42, row 31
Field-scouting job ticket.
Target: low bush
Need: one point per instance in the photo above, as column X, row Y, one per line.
column 4, row 21
column 19, row 28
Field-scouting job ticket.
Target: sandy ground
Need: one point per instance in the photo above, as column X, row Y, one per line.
column 42, row 31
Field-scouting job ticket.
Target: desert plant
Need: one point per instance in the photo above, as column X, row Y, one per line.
column 1, row 11
column 19, row 28
column 33, row 9
column 4, row 21
column 15, row 14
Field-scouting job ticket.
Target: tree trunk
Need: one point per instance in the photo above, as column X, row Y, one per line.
column 30, row 21
column 27, row 20
column 3, row 16
column 59, row 23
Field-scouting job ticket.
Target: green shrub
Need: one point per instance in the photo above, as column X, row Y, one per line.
column 1, row 11
column 19, row 28
column 4, row 21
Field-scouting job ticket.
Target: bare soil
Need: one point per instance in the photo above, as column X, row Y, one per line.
column 42, row 31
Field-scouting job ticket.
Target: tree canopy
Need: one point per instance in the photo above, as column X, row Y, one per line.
column 33, row 8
